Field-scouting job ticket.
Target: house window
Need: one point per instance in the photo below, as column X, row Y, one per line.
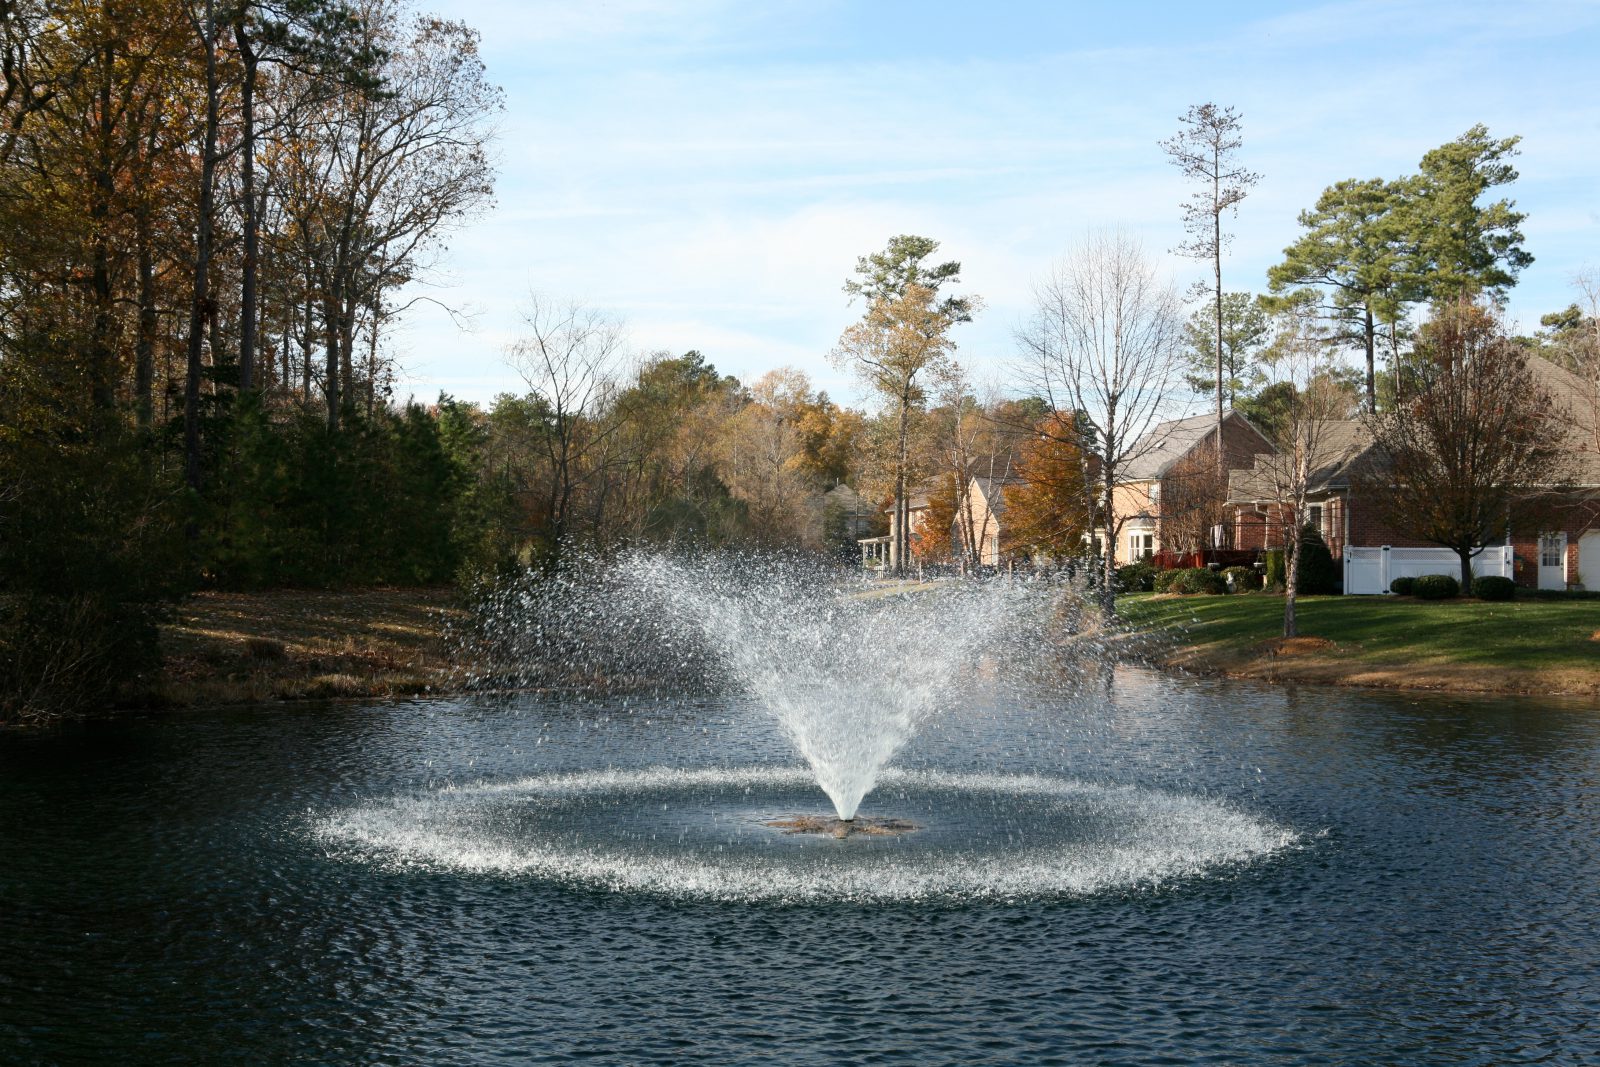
column 1551, row 548
column 1141, row 545
column 1314, row 518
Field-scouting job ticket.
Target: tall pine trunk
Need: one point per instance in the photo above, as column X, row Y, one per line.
column 200, row 307
column 1216, row 262
column 251, row 223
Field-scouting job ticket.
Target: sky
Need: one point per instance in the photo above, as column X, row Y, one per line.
column 709, row 170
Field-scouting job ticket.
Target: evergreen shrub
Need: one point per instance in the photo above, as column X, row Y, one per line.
column 1493, row 587
column 1241, row 579
column 1319, row 575
column 1436, row 587
column 1137, row 577
column 1198, row 580
column 1402, row 586
column 1277, row 570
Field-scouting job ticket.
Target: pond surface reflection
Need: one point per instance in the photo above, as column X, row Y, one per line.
column 167, row 895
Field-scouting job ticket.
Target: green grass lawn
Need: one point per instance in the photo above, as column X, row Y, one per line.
column 1554, row 636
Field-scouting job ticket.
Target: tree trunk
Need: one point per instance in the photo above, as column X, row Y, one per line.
column 1291, row 580
column 102, row 355
column 247, row 188
column 1108, row 553
column 144, row 349
column 1466, row 555
column 1370, row 336
column 330, row 314
column 200, row 308
column 1216, row 244
column 900, row 544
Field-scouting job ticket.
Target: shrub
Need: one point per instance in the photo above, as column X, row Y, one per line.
column 1403, row 586
column 1162, row 581
column 1241, row 578
column 1436, row 587
column 1318, row 574
column 91, row 553
column 1493, row 587
column 1276, row 570
column 1198, row 580
column 1136, row 577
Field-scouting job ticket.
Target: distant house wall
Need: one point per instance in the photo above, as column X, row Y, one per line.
column 1133, row 506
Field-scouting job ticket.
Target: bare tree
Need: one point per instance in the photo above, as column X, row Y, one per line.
column 1472, row 435
column 1307, row 440
column 570, row 356
column 1103, row 349
column 1204, row 149
column 390, row 171
column 1193, row 494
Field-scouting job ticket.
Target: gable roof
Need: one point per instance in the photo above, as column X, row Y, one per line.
column 1578, row 402
column 1343, row 447
column 1155, row 453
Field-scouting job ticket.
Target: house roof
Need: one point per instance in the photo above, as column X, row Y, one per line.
column 1579, row 401
column 1170, row 441
column 1342, row 447
column 1345, row 448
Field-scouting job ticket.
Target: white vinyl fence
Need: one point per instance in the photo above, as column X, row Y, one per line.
column 1369, row 571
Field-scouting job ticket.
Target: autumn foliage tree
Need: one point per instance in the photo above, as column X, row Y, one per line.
column 1049, row 507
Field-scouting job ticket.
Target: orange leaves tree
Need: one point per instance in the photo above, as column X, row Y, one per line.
column 1050, row 508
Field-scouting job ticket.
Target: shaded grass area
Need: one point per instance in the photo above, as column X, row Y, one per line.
column 1528, row 646
column 230, row 648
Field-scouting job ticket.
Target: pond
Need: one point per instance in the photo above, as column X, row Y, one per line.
column 1141, row 870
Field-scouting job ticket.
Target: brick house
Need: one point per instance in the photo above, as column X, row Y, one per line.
column 1564, row 554
column 1167, row 492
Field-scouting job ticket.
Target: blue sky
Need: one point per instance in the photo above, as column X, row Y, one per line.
column 710, row 170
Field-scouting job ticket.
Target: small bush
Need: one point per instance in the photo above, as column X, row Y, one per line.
column 1402, row 586
column 1240, row 579
column 1276, row 570
column 1136, row 577
column 1436, row 587
column 1198, row 580
column 1162, row 581
column 1493, row 587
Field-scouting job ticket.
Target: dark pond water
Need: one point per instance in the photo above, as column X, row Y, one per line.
column 1426, row 887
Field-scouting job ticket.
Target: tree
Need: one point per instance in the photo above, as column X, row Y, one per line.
column 1103, row 348
column 903, row 339
column 1464, row 248
column 762, row 461
column 1049, row 507
column 892, row 272
column 1315, row 403
column 1244, row 332
column 569, row 356
column 1472, row 436
column 317, row 33
column 1193, row 497
column 1205, row 150
column 390, row 172
column 1353, row 264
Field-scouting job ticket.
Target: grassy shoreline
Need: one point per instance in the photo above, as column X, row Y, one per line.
column 1467, row 646
column 256, row 648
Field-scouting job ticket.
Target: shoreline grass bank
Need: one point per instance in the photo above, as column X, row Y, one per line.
column 1468, row 646
column 256, row 648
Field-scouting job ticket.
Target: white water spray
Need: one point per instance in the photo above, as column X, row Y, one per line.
column 850, row 672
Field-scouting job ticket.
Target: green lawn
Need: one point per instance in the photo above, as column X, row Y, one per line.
column 1480, row 640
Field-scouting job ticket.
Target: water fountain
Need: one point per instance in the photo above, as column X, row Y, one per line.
column 849, row 672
